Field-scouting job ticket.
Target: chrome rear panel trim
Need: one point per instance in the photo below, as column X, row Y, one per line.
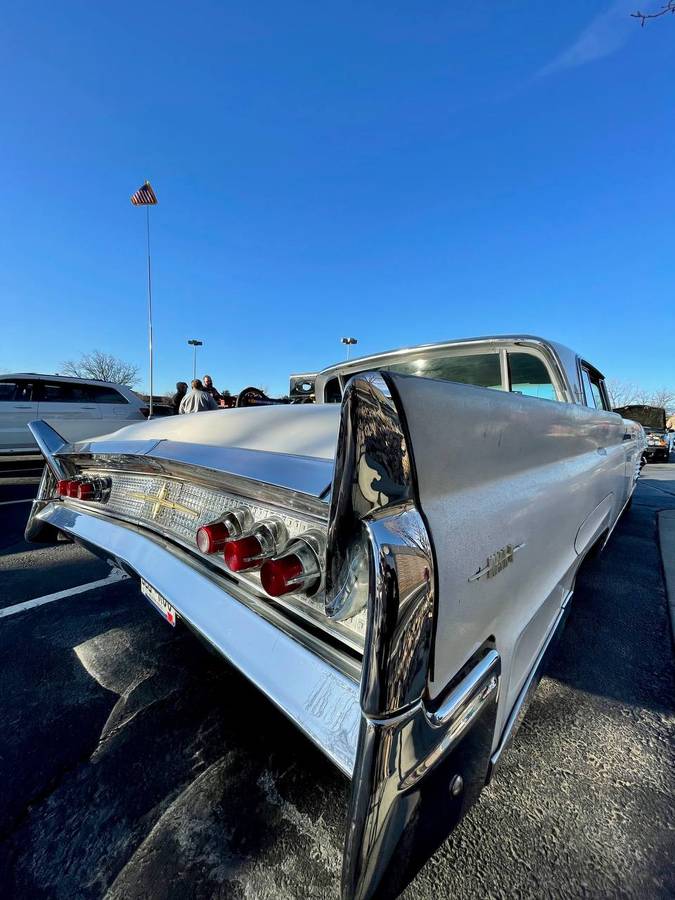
column 306, row 476
column 322, row 700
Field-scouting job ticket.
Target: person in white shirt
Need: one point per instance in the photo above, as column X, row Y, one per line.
column 197, row 400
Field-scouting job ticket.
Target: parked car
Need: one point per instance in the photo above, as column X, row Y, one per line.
column 653, row 420
column 78, row 408
column 390, row 570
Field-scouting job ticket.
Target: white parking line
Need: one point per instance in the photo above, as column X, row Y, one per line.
column 114, row 576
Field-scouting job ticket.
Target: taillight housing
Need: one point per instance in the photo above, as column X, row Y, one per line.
column 250, row 551
column 298, row 570
column 84, row 488
column 212, row 537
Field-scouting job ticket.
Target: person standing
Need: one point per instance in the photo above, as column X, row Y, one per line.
column 181, row 391
column 210, row 389
column 197, row 400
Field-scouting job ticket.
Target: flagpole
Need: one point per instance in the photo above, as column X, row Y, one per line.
column 147, row 223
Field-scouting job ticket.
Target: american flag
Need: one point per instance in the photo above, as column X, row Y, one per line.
column 144, row 196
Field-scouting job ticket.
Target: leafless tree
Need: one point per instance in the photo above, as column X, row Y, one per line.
column 103, row 367
column 663, row 10
column 625, row 393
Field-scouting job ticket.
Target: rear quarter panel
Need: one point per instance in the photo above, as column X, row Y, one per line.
column 497, row 469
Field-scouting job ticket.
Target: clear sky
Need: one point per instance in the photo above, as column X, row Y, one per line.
column 401, row 172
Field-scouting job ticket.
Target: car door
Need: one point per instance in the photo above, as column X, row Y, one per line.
column 69, row 408
column 17, row 409
column 114, row 408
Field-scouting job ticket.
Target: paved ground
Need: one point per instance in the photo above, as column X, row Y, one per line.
column 135, row 764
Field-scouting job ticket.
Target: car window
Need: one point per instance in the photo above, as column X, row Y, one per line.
column 7, row 389
column 530, row 376
column 331, row 392
column 106, row 395
column 16, row 391
column 63, row 392
column 481, row 369
column 588, row 389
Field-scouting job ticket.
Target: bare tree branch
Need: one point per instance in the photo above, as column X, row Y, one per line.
column 102, row 367
column 625, row 393
column 668, row 7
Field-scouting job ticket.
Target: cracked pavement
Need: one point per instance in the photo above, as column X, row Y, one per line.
column 137, row 764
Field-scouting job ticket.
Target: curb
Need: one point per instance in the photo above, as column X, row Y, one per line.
column 666, row 529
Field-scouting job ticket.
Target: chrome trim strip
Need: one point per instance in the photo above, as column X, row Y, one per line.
column 519, row 709
column 305, row 476
column 50, row 443
column 459, row 706
column 322, row 700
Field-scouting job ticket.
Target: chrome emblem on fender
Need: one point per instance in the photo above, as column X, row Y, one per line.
column 497, row 562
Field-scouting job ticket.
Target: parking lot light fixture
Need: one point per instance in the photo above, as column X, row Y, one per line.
column 194, row 344
column 349, row 341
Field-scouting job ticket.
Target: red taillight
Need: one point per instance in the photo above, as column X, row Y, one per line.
column 282, row 576
column 68, row 487
column 85, row 490
column 245, row 553
column 212, row 538
column 62, row 487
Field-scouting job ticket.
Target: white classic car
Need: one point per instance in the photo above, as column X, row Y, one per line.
column 389, row 568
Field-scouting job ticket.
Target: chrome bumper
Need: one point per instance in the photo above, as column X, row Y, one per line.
column 321, row 700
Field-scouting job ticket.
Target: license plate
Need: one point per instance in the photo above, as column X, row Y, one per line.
column 163, row 607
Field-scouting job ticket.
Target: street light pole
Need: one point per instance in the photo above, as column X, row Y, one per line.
column 195, row 344
column 349, row 341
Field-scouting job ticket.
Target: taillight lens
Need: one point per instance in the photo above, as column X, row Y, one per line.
column 298, row 570
column 86, row 490
column 245, row 553
column 269, row 538
column 83, row 488
column 212, row 538
column 63, row 486
column 282, row 576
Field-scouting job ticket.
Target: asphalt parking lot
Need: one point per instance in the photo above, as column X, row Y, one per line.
column 136, row 764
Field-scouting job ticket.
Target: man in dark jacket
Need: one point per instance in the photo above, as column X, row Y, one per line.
column 210, row 389
column 181, row 391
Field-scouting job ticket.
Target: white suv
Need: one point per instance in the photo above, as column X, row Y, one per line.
column 78, row 408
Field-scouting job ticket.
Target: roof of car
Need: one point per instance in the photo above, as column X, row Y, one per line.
column 7, row 375
column 438, row 345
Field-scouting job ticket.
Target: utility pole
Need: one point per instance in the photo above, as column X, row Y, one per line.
column 195, row 344
column 145, row 196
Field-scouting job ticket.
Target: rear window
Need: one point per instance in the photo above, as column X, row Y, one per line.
column 481, row 369
column 106, row 395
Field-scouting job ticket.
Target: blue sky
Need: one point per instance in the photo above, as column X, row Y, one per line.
column 399, row 172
